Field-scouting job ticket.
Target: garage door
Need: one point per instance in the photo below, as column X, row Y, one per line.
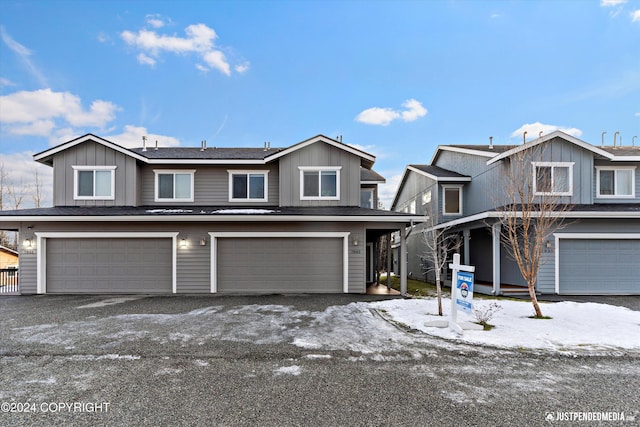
column 109, row 265
column 599, row 266
column 266, row 265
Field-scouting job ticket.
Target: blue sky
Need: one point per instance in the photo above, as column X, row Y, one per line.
column 393, row 78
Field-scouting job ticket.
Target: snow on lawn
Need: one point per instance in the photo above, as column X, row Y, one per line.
column 573, row 326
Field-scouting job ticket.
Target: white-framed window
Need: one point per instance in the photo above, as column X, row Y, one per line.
column 426, row 197
column 94, row 182
column 552, row 178
column 616, row 182
column 412, row 206
column 174, row 185
column 366, row 198
column 320, row 183
column 451, row 199
column 245, row 186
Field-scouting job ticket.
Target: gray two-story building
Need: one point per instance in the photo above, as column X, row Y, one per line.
column 204, row 220
column 596, row 248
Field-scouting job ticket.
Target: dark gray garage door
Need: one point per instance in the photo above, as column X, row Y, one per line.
column 109, row 265
column 599, row 266
column 279, row 264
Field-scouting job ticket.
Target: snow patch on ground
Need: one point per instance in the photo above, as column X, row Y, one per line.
column 110, row 301
column 169, row 211
column 243, row 211
column 288, row 370
column 318, row 356
column 573, row 327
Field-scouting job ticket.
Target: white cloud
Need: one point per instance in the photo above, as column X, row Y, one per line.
column 637, row 114
column 635, row 16
column 384, row 116
column 6, row 82
column 37, row 128
column 199, row 40
column 103, row 37
column 387, row 191
column 242, row 68
column 534, row 129
column 612, row 3
column 33, row 106
column 132, row 138
column 24, row 54
column 156, row 21
column 146, row 60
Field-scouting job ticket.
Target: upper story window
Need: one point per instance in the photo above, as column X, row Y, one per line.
column 174, row 185
column 553, row 178
column 452, row 200
column 320, row 183
column 615, row 182
column 248, row 186
column 412, row 206
column 366, row 198
column 94, row 182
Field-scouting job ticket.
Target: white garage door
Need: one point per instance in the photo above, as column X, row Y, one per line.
column 279, row 265
column 109, row 265
column 599, row 266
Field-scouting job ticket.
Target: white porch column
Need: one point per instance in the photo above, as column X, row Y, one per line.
column 403, row 261
column 495, row 235
column 466, row 235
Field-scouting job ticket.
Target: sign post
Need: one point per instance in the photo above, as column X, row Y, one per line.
column 461, row 291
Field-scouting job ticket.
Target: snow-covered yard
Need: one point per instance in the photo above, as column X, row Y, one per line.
column 573, row 327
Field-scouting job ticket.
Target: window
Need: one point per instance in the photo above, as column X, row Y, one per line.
column 412, row 206
column 94, row 182
column 321, row 183
column 426, row 197
column 366, row 198
column 452, row 200
column 553, row 179
column 618, row 182
column 248, row 186
column 174, row 186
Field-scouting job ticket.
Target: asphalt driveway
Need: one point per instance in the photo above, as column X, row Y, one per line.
column 280, row 360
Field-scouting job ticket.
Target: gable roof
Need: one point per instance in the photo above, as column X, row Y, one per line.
column 8, row 250
column 610, row 153
column 369, row 176
column 210, row 155
column 435, row 173
column 366, row 158
column 47, row 155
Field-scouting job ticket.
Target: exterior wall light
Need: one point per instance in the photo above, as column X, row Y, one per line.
column 183, row 243
column 203, row 242
column 28, row 243
column 355, row 241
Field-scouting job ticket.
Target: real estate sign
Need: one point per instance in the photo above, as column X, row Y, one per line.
column 464, row 291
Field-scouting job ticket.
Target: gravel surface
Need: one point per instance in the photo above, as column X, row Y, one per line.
column 281, row 360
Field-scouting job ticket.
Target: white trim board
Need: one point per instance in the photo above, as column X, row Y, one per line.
column 576, row 236
column 41, row 252
column 279, row 234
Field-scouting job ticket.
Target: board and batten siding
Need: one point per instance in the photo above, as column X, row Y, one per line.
column 211, row 184
column 90, row 153
column 413, row 189
column 320, row 154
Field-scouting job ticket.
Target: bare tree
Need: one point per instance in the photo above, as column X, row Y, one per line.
column 533, row 194
column 439, row 243
column 36, row 189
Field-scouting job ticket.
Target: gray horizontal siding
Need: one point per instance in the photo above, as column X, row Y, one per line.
column 211, row 184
